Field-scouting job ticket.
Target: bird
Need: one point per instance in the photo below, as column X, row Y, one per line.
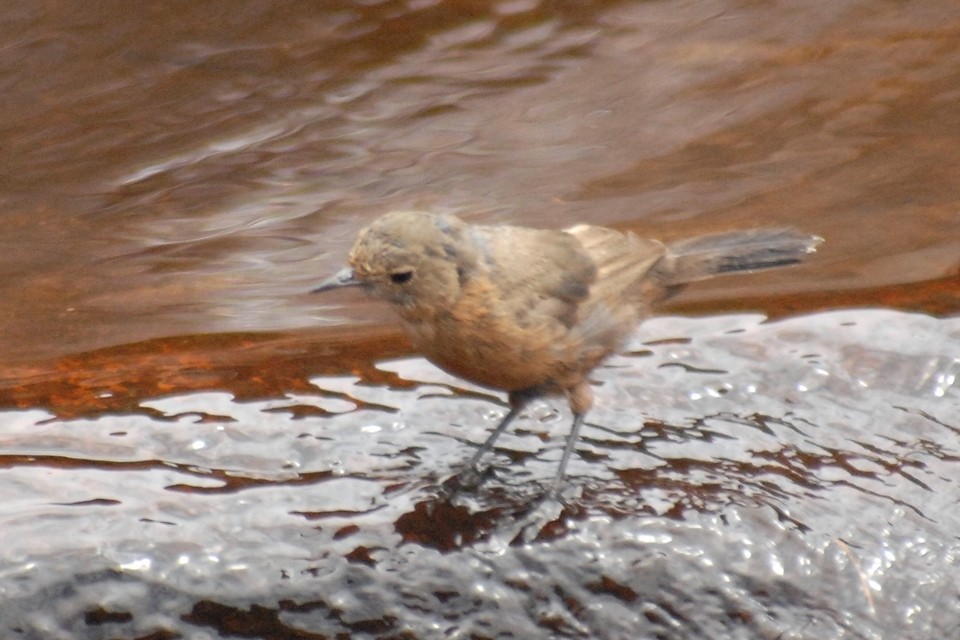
column 531, row 312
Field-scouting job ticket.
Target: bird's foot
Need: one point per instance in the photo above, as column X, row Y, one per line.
column 545, row 512
column 543, row 519
column 468, row 479
column 562, row 492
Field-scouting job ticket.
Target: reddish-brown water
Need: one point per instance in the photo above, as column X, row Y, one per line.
column 191, row 445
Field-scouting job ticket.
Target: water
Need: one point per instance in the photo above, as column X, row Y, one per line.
column 733, row 484
column 192, row 446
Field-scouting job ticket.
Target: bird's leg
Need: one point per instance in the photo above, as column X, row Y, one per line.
column 572, row 437
column 549, row 508
column 580, row 397
column 470, row 475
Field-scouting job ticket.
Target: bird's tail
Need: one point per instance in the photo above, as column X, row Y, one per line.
column 734, row 252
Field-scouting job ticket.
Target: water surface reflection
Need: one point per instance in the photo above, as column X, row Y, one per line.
column 181, row 172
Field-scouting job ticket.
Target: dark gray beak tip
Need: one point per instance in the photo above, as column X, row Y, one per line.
column 339, row 280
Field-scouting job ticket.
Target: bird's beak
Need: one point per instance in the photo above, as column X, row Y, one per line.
column 343, row 278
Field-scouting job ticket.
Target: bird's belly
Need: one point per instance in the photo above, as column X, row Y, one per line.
column 488, row 356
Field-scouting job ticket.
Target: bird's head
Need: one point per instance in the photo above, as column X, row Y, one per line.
column 413, row 259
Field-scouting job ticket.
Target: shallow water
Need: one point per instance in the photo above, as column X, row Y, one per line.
column 192, row 446
column 793, row 478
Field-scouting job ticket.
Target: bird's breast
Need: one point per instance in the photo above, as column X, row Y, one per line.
column 479, row 340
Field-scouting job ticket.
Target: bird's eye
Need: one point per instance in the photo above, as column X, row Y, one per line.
column 400, row 277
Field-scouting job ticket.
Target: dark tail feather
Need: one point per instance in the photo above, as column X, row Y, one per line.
column 735, row 252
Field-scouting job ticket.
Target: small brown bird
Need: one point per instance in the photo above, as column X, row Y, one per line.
column 533, row 311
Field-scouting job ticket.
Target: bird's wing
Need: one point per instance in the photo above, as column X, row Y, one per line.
column 622, row 293
column 623, row 263
column 541, row 275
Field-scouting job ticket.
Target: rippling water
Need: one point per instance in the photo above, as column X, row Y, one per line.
column 191, row 446
column 793, row 478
